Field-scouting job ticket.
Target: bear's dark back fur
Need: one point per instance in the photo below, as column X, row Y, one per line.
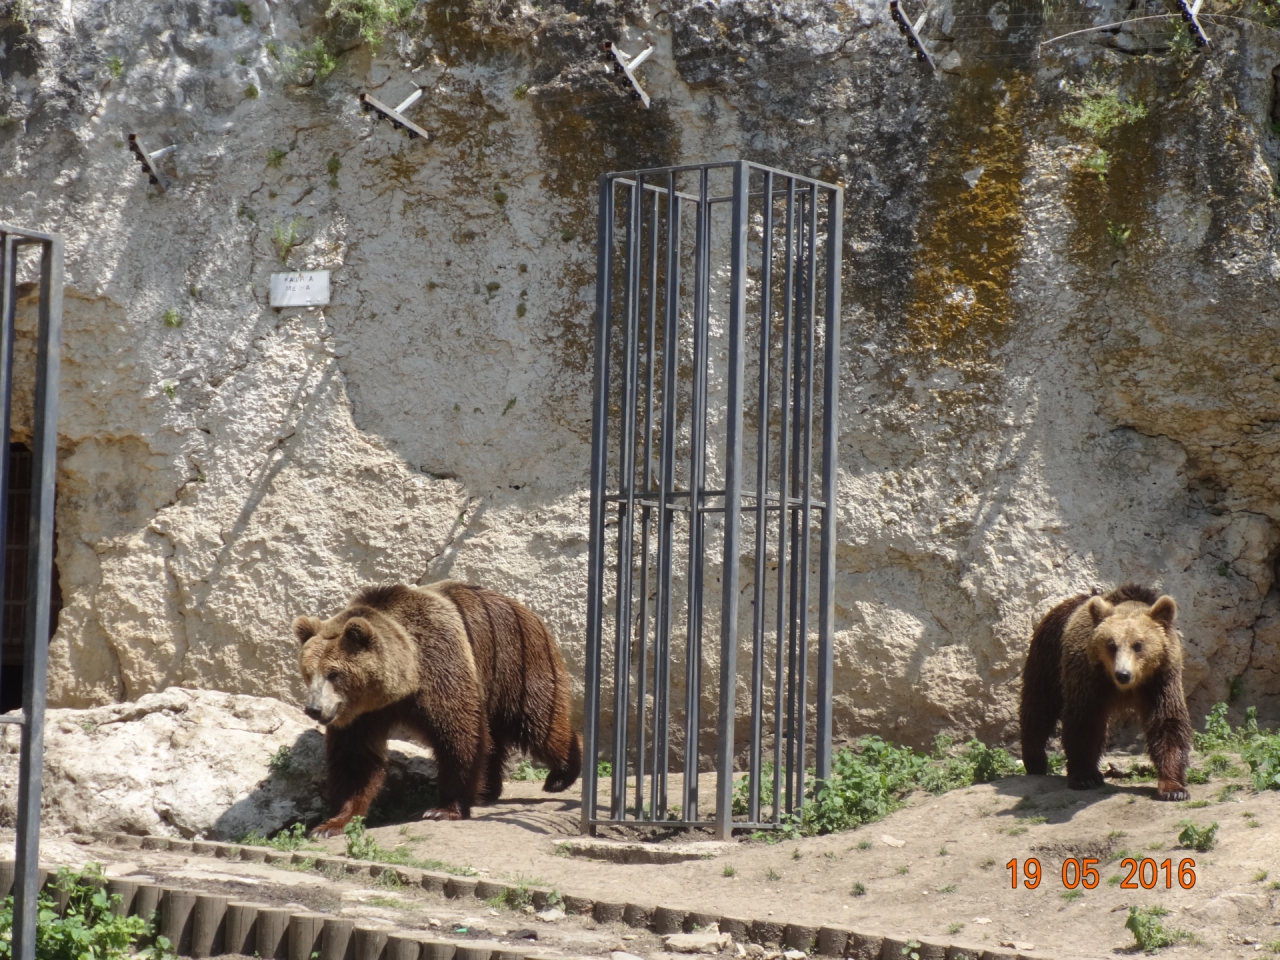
column 522, row 674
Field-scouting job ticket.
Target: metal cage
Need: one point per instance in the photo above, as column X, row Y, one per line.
column 44, row 462
column 716, row 353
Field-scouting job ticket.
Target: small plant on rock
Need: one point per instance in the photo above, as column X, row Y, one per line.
column 244, row 12
column 372, row 19
column 115, row 66
column 1098, row 109
column 285, row 237
column 172, row 318
column 275, row 156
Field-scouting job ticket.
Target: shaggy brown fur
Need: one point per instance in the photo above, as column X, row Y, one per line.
column 1094, row 657
column 468, row 671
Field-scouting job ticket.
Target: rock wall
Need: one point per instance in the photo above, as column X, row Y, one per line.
column 1059, row 366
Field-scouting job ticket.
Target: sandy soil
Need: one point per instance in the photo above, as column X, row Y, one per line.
column 934, row 869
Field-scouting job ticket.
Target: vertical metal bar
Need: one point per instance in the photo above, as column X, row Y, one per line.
column 646, row 512
column 599, row 462
column 627, row 507
column 806, row 510
column 732, row 503
column 697, row 469
column 762, row 501
column 830, row 439
column 666, row 517
column 795, row 757
column 44, row 467
column 784, row 513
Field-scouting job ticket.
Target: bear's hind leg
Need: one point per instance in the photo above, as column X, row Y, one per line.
column 493, row 774
column 461, row 759
column 1084, row 738
column 1038, row 716
column 565, row 763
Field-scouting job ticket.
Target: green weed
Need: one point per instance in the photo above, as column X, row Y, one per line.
column 88, row 929
column 864, row 844
column 1119, row 233
column 285, row 237
column 525, row 770
column 1098, row 109
column 172, row 318
column 115, row 66
column 244, row 12
column 1149, row 932
column 251, row 92
column 859, row 889
column 1070, row 895
column 372, row 19
column 281, row 762
column 308, row 64
column 1200, row 839
column 729, row 871
column 275, row 156
column 772, row 875
column 1097, row 163
column 170, row 389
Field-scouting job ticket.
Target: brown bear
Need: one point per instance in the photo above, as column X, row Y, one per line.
column 1093, row 657
column 468, row 671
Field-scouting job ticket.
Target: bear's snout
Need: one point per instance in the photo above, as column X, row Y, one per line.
column 1123, row 676
column 312, row 712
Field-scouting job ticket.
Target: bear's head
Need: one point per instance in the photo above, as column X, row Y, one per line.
column 359, row 661
column 1132, row 640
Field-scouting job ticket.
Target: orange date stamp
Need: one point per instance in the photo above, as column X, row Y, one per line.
column 1144, row 873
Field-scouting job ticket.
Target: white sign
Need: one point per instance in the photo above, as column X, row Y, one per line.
column 310, row 289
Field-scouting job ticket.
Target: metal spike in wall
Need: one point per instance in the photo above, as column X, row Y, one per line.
column 1190, row 14
column 370, row 104
column 149, row 160
column 912, row 31
column 627, row 65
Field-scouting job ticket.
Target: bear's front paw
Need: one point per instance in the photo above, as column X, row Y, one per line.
column 1171, row 791
column 443, row 813
column 330, row 828
column 1089, row 782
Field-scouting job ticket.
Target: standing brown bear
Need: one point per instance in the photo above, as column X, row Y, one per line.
column 468, row 671
column 1093, row 657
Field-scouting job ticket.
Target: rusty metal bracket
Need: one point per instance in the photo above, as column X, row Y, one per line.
column 370, row 104
column 1190, row 13
column 627, row 65
column 148, row 160
column 912, row 31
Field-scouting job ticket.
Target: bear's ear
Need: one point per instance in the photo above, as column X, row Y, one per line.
column 304, row 628
column 358, row 632
column 1164, row 611
column 1099, row 609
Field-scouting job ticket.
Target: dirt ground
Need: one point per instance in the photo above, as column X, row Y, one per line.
column 935, row 869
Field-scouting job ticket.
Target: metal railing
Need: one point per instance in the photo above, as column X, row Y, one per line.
column 44, row 460
column 698, row 331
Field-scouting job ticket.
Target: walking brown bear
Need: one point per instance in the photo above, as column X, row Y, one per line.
column 468, row 671
column 1094, row 657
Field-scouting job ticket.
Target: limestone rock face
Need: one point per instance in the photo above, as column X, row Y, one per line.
column 184, row 763
column 1058, row 365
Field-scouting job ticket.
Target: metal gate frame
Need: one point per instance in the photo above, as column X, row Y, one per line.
column 657, row 497
column 44, row 464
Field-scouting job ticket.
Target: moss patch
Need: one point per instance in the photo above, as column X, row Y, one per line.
column 971, row 229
